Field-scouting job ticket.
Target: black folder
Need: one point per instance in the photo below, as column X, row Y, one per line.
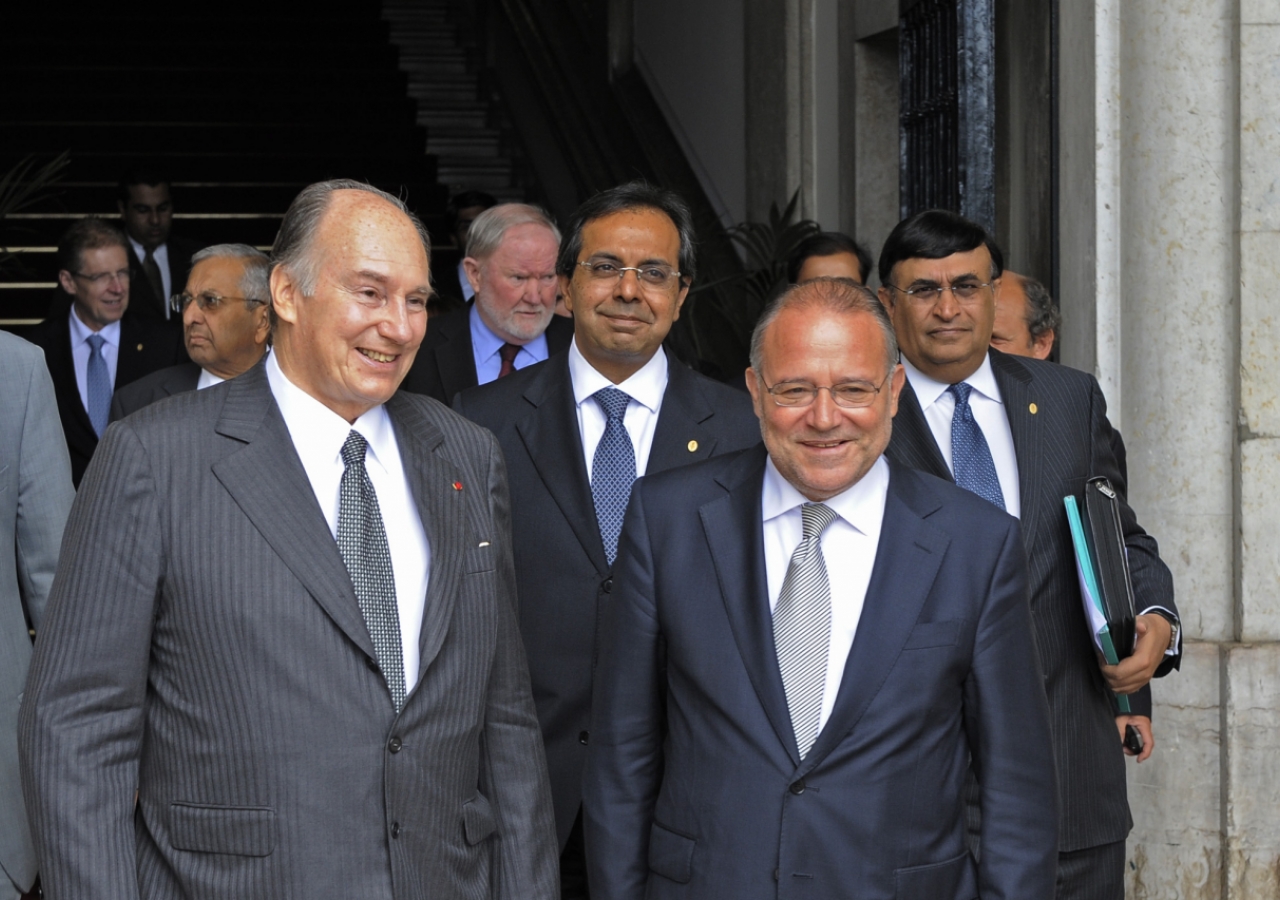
column 1106, row 538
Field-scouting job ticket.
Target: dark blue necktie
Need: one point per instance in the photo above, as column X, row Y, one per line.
column 99, row 385
column 971, row 460
column 613, row 469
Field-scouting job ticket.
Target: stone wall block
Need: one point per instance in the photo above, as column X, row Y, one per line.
column 1252, row 723
column 1260, row 127
column 1260, row 12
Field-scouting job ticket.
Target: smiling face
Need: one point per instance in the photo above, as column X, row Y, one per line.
column 516, row 284
column 823, row 449
column 946, row 339
column 100, row 289
column 350, row 343
column 227, row 339
column 619, row 324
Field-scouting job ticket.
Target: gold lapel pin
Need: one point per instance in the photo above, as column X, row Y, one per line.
column 1034, row 409
column 139, row 348
column 693, row 446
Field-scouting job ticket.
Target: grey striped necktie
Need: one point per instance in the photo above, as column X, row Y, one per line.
column 802, row 627
column 362, row 540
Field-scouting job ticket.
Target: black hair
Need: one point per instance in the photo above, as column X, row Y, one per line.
column 148, row 173
column 632, row 195
column 936, row 234
column 827, row 243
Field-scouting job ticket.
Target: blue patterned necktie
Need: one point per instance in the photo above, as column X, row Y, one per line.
column 613, row 469
column 362, row 541
column 971, row 460
column 99, row 385
column 802, row 627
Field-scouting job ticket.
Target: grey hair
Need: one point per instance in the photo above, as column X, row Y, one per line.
column 1042, row 313
column 255, row 283
column 834, row 295
column 302, row 220
column 491, row 226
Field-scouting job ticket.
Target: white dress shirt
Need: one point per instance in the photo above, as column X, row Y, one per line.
column 208, row 379
column 318, row 435
column 81, row 351
column 161, row 256
column 465, row 283
column 645, row 388
column 485, row 346
column 849, row 546
column 987, row 404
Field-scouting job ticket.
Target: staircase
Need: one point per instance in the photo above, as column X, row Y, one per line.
column 243, row 103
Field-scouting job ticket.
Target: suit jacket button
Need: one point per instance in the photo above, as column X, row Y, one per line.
column 775, row 874
column 371, row 663
column 583, row 737
column 395, row 830
column 798, row 787
column 607, row 586
column 394, row 745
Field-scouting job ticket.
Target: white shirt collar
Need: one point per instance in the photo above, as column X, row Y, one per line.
column 160, row 254
column 861, row 504
column 928, row 390
column 646, row 386
column 318, row 432
column 80, row 332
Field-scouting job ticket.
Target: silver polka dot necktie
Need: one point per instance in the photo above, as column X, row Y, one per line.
column 971, row 460
column 613, row 469
column 99, row 384
column 362, row 540
column 802, row 627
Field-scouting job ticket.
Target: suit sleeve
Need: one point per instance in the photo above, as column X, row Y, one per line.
column 45, row 493
column 1152, row 580
column 513, row 770
column 1007, row 723
column 624, row 760
column 80, row 727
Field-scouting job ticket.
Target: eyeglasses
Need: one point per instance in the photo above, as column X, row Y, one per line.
column 207, row 301
column 964, row 292
column 849, row 395
column 655, row 275
column 103, row 277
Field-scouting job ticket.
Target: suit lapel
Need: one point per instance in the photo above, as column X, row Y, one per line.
column 913, row 442
column 63, row 368
column 1017, row 394
column 457, row 361
column 267, row 481
column 442, row 509
column 907, row 562
column 682, row 435
column 550, row 433
column 736, row 538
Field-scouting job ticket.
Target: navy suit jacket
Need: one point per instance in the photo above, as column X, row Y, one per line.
column 1062, row 443
column 563, row 579
column 694, row 785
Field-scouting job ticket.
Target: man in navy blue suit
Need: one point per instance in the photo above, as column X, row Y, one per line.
column 807, row 646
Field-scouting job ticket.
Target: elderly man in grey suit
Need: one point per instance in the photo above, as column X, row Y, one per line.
column 286, row 617
column 35, row 497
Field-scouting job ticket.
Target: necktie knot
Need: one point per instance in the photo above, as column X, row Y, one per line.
column 95, row 342
column 961, row 393
column 815, row 518
column 613, row 401
column 353, row 449
column 508, row 352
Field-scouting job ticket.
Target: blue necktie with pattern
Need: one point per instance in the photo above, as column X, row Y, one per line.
column 613, row 469
column 99, row 385
column 971, row 460
column 362, row 541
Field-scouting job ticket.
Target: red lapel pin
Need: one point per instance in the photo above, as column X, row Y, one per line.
column 457, row 485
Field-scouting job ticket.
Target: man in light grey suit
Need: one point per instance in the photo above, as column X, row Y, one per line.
column 286, row 618
column 35, row 497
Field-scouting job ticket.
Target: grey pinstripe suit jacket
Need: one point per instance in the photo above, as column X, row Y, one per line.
column 203, row 644
column 1064, row 442
column 35, row 496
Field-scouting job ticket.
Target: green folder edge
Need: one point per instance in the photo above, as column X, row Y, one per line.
column 1085, row 560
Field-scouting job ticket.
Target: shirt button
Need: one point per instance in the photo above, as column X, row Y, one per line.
column 583, row 737
column 394, row 745
column 395, row 830
column 798, row 787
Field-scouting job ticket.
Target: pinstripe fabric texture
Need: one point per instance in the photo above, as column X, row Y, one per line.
column 1066, row 440
column 204, row 646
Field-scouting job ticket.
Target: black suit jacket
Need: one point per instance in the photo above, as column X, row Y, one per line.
column 143, row 302
column 563, row 579
column 1066, row 440
column 145, row 347
column 153, row 387
column 446, row 362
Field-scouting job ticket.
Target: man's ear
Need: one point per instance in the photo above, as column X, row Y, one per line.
column 67, row 282
column 471, row 267
column 285, row 294
column 755, row 387
column 1042, row 346
column 565, row 292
